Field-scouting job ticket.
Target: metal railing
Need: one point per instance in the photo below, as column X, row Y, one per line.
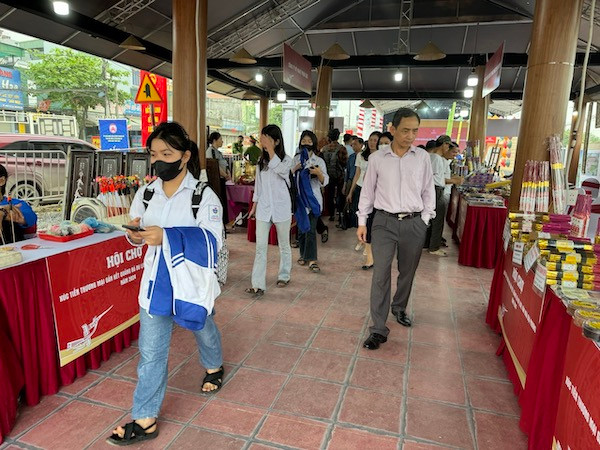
column 36, row 176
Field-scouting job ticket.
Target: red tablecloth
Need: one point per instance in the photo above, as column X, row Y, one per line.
column 239, row 197
column 26, row 314
column 481, row 240
column 495, row 300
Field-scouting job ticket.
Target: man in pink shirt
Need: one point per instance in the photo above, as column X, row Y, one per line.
column 399, row 186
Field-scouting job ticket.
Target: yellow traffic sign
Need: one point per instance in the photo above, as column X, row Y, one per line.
column 147, row 93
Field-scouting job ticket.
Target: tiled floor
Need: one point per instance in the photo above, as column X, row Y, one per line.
column 298, row 377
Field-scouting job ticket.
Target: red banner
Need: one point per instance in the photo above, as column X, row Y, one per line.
column 296, row 70
column 520, row 313
column 92, row 302
column 493, row 70
column 160, row 109
column 578, row 417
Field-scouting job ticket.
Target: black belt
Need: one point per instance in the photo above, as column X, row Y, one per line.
column 400, row 216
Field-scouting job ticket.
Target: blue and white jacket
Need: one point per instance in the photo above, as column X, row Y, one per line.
column 182, row 279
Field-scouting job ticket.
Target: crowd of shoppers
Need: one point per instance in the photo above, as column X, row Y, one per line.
column 398, row 192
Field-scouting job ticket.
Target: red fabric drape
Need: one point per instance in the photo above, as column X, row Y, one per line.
column 495, row 300
column 28, row 324
column 539, row 401
column 481, row 243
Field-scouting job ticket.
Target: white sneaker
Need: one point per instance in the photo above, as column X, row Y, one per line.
column 439, row 252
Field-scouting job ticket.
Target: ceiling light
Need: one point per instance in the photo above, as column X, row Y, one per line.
column 281, row 96
column 61, row 8
column 259, row 77
column 398, row 76
column 242, row 57
column 366, row 104
column 468, row 93
column 132, row 43
column 336, row 53
column 464, row 113
column 473, row 79
column 430, row 52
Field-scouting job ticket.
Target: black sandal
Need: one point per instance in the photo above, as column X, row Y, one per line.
column 134, row 433
column 302, row 262
column 282, row 283
column 325, row 235
column 314, row 267
column 213, row 378
column 255, row 291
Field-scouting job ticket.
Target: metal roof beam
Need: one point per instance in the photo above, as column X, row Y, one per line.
column 234, row 82
column 85, row 24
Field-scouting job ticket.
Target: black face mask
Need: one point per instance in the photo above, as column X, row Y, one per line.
column 167, row 171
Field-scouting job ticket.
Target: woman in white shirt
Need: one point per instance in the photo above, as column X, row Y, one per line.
column 158, row 209
column 319, row 178
column 272, row 205
column 362, row 163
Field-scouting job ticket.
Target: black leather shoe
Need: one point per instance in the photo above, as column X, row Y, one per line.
column 403, row 319
column 374, row 341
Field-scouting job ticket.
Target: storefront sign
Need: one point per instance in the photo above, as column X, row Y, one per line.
column 493, row 70
column 578, row 416
column 11, row 95
column 158, row 110
column 296, row 70
column 113, row 134
column 94, row 302
column 519, row 313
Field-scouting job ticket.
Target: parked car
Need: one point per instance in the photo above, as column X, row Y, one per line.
column 37, row 165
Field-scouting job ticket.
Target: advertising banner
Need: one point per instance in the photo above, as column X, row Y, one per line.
column 520, row 313
column 94, row 302
column 113, row 134
column 296, row 70
column 578, row 416
column 11, row 95
column 493, row 70
column 159, row 109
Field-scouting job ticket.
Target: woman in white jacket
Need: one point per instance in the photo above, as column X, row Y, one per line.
column 272, row 205
column 163, row 212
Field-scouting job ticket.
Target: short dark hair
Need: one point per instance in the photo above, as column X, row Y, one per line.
column 347, row 138
column 240, row 136
column 430, row 144
column 403, row 113
column 212, row 137
column 333, row 134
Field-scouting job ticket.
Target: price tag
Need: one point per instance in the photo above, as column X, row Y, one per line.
column 518, row 253
column 506, row 233
column 539, row 282
column 531, row 257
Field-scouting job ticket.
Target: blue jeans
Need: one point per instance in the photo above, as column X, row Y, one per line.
column 154, row 343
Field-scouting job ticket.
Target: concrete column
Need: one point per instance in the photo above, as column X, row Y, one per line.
column 548, row 83
column 323, row 101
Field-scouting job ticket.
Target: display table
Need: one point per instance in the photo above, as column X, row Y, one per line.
column 478, row 231
column 27, row 320
column 544, row 353
column 239, row 198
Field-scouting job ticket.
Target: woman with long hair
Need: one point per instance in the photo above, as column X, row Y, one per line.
column 168, row 217
column 215, row 142
column 272, row 205
column 313, row 169
column 362, row 162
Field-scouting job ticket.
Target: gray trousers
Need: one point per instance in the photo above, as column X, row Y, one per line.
column 405, row 239
column 437, row 223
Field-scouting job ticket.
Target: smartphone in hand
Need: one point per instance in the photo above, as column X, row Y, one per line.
column 133, row 228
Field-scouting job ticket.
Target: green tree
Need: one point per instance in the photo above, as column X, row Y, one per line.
column 276, row 115
column 77, row 81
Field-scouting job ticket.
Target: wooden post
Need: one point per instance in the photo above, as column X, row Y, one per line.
column 479, row 112
column 576, row 138
column 264, row 112
column 548, row 83
column 189, row 69
column 323, row 101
